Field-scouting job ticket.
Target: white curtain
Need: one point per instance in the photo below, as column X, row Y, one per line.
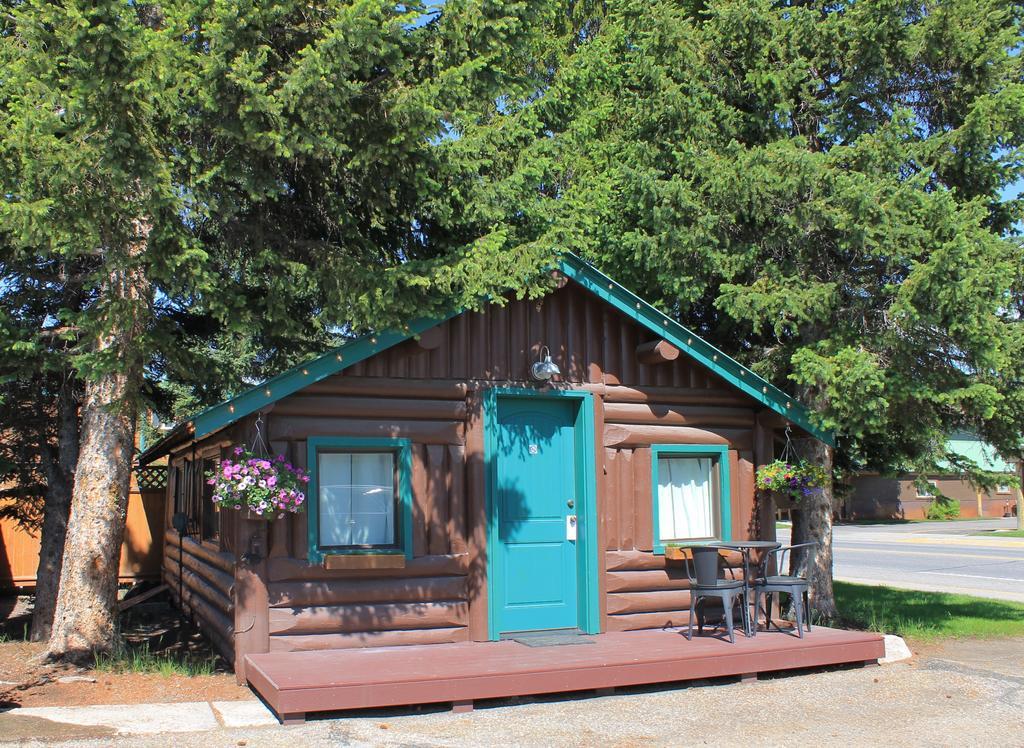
column 685, row 502
column 356, row 498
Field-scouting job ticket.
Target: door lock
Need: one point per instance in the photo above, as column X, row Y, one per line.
column 570, row 503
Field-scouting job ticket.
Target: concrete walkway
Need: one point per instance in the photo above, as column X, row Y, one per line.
column 967, row 692
column 70, row 722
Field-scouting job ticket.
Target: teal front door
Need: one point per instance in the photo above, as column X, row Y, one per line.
column 536, row 497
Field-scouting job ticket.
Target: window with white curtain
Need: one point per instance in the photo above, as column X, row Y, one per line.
column 686, row 502
column 356, row 501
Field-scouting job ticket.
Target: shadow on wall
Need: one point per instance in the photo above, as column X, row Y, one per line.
column 876, row 498
column 6, row 574
column 142, row 550
column 429, row 599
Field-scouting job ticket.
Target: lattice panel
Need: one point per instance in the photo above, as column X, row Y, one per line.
column 151, row 477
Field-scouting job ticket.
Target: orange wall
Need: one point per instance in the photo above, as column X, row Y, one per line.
column 140, row 556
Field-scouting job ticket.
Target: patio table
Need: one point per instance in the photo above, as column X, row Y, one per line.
column 745, row 547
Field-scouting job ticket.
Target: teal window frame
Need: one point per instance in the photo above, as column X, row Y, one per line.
column 402, row 449
column 715, row 452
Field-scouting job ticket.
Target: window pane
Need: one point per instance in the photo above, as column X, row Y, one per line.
column 686, row 506
column 356, row 498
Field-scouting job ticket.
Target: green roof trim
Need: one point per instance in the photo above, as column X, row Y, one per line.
column 693, row 345
column 579, row 271
column 294, row 379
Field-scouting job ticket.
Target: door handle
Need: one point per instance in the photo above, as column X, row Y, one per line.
column 570, row 527
column 570, row 503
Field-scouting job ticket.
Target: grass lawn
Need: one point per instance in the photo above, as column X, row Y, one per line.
column 927, row 616
column 1000, row 534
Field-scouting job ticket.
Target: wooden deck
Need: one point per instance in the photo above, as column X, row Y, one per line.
column 295, row 683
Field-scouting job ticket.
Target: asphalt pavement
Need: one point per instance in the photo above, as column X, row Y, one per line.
column 934, row 556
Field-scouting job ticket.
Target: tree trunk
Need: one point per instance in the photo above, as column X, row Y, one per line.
column 813, row 524
column 1020, row 496
column 59, row 468
column 85, row 621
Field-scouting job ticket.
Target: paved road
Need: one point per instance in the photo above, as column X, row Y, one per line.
column 940, row 556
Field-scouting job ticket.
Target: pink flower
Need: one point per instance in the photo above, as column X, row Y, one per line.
column 271, row 481
column 238, row 450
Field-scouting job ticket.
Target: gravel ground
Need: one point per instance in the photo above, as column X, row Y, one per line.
column 967, row 693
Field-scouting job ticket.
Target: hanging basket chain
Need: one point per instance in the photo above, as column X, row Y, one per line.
column 259, row 442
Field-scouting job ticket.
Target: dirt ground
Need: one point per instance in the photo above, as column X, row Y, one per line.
column 26, row 679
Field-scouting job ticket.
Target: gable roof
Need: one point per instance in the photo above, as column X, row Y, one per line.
column 574, row 268
column 983, row 455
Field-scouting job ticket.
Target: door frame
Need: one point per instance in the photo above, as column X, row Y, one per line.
column 586, row 509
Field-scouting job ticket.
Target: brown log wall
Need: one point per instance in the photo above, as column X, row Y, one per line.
column 203, row 587
column 427, row 602
column 433, row 397
column 588, row 339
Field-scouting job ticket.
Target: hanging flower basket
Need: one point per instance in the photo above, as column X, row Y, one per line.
column 265, row 488
column 789, row 483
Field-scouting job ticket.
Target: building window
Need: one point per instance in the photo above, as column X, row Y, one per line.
column 209, row 517
column 691, row 494
column 929, row 491
column 1003, row 488
column 361, row 498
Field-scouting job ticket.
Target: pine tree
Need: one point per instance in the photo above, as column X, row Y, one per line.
column 814, row 186
column 267, row 173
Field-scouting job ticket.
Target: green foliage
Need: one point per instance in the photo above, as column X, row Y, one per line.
column 816, row 187
column 942, row 507
column 272, row 172
column 926, row 616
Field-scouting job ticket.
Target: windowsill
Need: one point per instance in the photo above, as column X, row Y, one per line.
column 365, row 560
column 661, row 549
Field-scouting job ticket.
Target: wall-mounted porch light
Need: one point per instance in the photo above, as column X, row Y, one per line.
column 545, row 368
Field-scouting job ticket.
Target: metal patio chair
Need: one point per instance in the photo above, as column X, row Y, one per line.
column 703, row 563
column 795, row 586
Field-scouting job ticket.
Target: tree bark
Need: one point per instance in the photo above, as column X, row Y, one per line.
column 59, row 466
column 85, row 621
column 1020, row 496
column 813, row 524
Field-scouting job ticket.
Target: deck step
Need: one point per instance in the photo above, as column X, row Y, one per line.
column 294, row 683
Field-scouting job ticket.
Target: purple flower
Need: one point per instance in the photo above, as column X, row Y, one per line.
column 238, row 450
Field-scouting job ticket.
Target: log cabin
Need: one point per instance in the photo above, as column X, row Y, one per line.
column 519, row 468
